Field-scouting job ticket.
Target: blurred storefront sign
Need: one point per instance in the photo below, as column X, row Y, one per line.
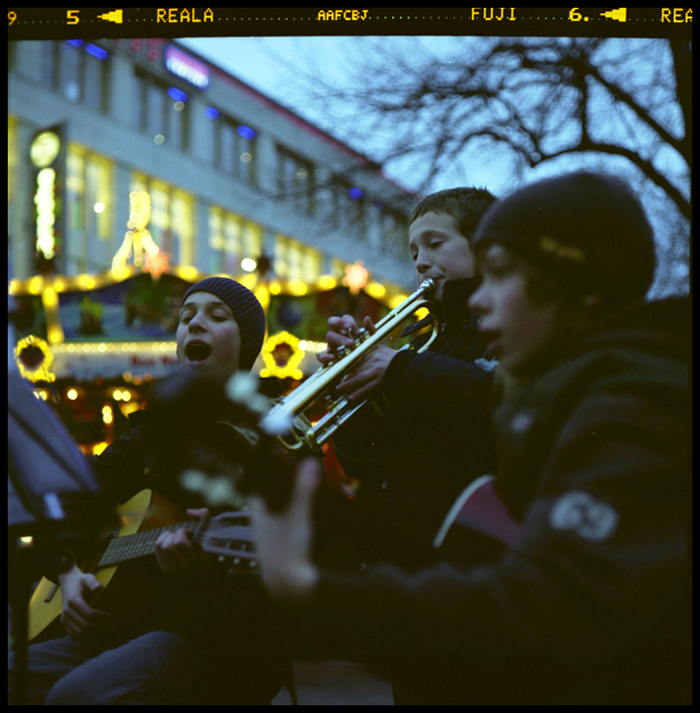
column 85, row 363
column 47, row 154
column 186, row 67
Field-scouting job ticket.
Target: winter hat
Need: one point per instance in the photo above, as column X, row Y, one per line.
column 586, row 228
column 247, row 311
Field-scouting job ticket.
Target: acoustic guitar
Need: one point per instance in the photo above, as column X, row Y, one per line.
column 228, row 536
column 130, row 541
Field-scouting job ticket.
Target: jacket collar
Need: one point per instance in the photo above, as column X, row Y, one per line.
column 454, row 308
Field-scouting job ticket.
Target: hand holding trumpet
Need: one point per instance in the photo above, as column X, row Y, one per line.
column 369, row 374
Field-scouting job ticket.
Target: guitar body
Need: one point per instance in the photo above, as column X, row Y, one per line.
column 128, row 591
column 478, row 525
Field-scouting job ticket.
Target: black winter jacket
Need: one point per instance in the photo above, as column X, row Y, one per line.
column 435, row 437
column 593, row 604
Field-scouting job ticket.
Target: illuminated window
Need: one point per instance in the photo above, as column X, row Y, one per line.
column 233, row 250
column 98, row 188
column 296, row 261
column 296, row 180
column 183, row 227
column 235, row 150
column 11, row 154
column 159, row 224
column 171, row 222
column 216, row 240
column 232, row 238
column 89, row 203
column 75, row 188
column 251, row 239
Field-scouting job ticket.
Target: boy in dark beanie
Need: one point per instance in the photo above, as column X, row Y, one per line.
column 246, row 311
column 587, row 229
column 210, row 638
column 583, row 247
column 592, row 603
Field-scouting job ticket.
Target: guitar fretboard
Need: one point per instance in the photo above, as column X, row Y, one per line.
column 140, row 544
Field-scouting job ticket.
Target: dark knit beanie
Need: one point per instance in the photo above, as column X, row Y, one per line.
column 247, row 311
column 586, row 228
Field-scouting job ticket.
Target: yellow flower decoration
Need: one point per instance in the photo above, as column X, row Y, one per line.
column 291, row 366
column 33, row 357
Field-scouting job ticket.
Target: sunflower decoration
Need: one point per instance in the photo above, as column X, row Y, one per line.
column 33, row 357
column 282, row 356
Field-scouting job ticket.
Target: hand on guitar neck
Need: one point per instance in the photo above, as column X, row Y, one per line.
column 175, row 551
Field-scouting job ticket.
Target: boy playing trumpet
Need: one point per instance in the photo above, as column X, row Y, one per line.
column 410, row 460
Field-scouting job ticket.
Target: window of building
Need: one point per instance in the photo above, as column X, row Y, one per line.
column 89, row 192
column 395, row 232
column 296, row 261
column 296, row 180
column 232, row 239
column 79, row 70
column 235, row 149
column 89, row 204
column 162, row 111
column 357, row 211
column 75, row 188
column 348, row 203
column 171, row 221
column 11, row 154
column 182, row 212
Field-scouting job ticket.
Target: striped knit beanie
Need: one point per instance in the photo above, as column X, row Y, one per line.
column 587, row 228
column 247, row 311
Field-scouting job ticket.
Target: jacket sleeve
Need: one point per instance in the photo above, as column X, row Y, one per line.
column 424, row 391
column 598, row 575
column 431, row 387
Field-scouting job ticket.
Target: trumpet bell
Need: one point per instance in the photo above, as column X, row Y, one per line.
column 322, row 382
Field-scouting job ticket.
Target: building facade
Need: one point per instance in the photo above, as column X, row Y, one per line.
column 217, row 173
column 138, row 156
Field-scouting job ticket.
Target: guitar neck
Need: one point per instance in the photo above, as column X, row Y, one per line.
column 140, row 544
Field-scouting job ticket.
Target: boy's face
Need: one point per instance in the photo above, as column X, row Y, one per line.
column 519, row 330
column 208, row 337
column 439, row 250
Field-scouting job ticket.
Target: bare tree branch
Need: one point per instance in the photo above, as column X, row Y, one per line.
column 534, row 100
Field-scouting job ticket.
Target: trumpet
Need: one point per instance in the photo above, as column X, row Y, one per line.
column 322, row 382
